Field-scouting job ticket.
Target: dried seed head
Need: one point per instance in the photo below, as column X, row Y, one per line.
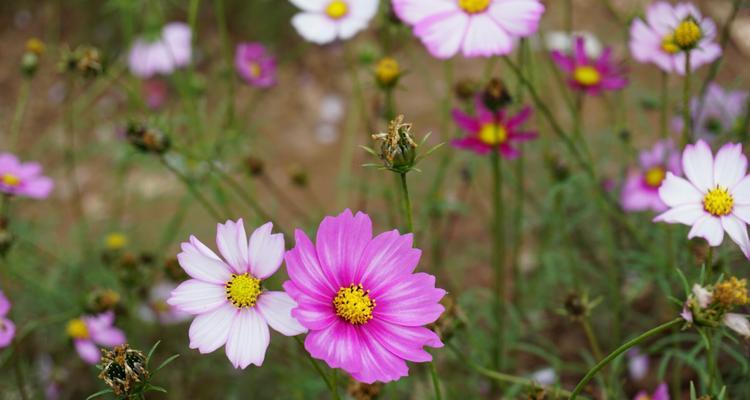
column 147, row 139
column 397, row 148
column 123, row 368
column 363, row 391
column 495, row 95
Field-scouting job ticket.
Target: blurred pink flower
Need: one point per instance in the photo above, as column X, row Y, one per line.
column 90, row 331
column 652, row 40
column 641, row 189
column 170, row 51
column 661, row 393
column 588, row 75
column 715, row 197
column 323, row 21
column 255, row 65
column 7, row 327
column 358, row 295
column 23, row 179
column 722, row 110
column 156, row 91
column 157, row 308
column 488, row 131
column 476, row 28
column 638, row 364
column 230, row 305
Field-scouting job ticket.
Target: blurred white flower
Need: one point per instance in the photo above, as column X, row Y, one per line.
column 545, row 376
column 563, row 42
column 738, row 323
column 702, row 295
column 638, row 364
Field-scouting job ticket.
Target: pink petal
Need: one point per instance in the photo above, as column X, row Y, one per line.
column 197, row 297
column 443, row 33
column 338, row 345
column 276, row 309
column 266, row 251
column 210, row 331
column 201, row 263
column 248, row 339
column 88, row 351
column 676, row 191
column 484, row 38
column 404, row 341
column 741, row 191
column 687, row 214
column 698, row 165
column 389, row 256
column 409, row 301
column 465, row 121
column 109, row 337
column 737, row 231
column 340, row 243
column 414, row 11
column 378, row 364
column 518, row 18
column 7, row 332
column 232, row 242
column 730, row 165
column 709, row 228
column 305, row 271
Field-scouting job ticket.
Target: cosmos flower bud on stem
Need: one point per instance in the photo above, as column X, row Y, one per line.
column 85, row 60
column 147, row 139
column 495, row 95
column 123, row 369
column 578, row 306
column 466, row 90
column 398, row 150
column 387, row 72
column 30, row 58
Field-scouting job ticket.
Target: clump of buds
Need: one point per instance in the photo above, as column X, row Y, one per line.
column 398, row 150
column 712, row 306
column 85, row 60
column 147, row 139
column 123, row 369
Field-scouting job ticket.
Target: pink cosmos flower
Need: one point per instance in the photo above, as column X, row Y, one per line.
column 652, row 40
column 157, row 309
column 170, row 51
column 588, row 75
column 7, row 327
column 661, row 393
column 721, row 111
column 23, row 179
column 488, row 131
column 638, row 364
column 255, row 65
column 323, row 21
column 641, row 189
column 715, row 197
column 476, row 28
column 231, row 306
column 156, row 92
column 358, row 295
column 91, row 331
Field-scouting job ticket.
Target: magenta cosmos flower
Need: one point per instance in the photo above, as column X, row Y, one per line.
column 488, row 131
column 661, row 393
column 168, row 52
column 7, row 327
column 361, row 301
column 255, row 65
column 227, row 296
column 715, row 197
column 589, row 75
column 719, row 114
column 653, row 40
column 476, row 28
column 641, row 189
column 91, row 331
column 23, row 179
column 323, row 21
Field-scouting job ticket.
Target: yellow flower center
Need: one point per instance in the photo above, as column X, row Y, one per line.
column 160, row 306
column 337, row 9
column 718, row 202
column 655, row 176
column 493, row 134
column 243, row 290
column 255, row 69
column 687, row 34
column 732, row 292
column 353, row 304
column 668, row 44
column 115, row 241
column 474, row 6
column 587, row 75
column 77, row 329
column 10, row 180
column 35, row 46
column 643, row 397
column 387, row 71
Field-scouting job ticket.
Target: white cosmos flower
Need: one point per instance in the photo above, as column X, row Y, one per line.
column 323, row 21
column 738, row 323
column 715, row 197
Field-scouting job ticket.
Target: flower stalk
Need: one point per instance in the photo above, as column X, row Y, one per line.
column 687, row 133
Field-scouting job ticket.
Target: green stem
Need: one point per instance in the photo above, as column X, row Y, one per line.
column 625, row 347
column 406, row 202
column 687, row 133
column 390, row 106
column 195, row 191
column 331, row 384
column 591, row 337
column 20, row 381
column 435, row 380
column 23, row 100
column 709, row 265
column 498, row 258
column 664, row 116
column 711, row 361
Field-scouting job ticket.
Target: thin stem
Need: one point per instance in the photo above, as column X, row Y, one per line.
column 711, row 361
column 23, row 101
column 435, row 380
column 498, row 258
column 190, row 185
column 591, row 337
column 20, row 380
column 329, row 383
column 627, row 345
column 664, row 116
column 687, row 131
column 709, row 264
column 406, row 202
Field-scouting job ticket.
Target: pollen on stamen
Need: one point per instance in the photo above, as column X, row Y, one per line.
column 354, row 304
column 243, row 290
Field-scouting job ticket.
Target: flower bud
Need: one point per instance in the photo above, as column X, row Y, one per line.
column 29, row 64
column 397, row 148
column 495, row 95
column 688, row 34
column 254, row 166
column 387, row 72
column 147, row 139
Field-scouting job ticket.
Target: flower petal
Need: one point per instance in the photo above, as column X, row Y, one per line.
column 741, row 191
column 443, row 33
column 388, row 257
column 248, row 339
column 738, row 323
column 340, row 243
column 737, row 231
column 305, row 271
column 518, row 18
column 404, row 341
column 201, row 263
column 730, row 165
column 485, row 38
column 314, row 27
column 709, row 228
column 197, row 297
column 675, row 191
column 88, row 351
column 378, row 364
column 210, row 331
column 409, row 301
column 698, row 164
column 232, row 242
column 276, row 309
column 688, row 214
column 109, row 337
column 266, row 251
column 338, row 345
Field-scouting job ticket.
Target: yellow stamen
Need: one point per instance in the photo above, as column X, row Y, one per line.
column 587, row 75
column 668, row 44
column 255, row 69
column 493, row 134
column 353, row 304
column 115, row 241
column 243, row 290
column 474, row 6
column 655, row 176
column 77, row 329
column 688, row 34
column 718, row 202
column 732, row 292
column 10, row 180
column 337, row 9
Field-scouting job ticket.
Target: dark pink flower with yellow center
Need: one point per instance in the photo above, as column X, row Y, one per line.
column 361, row 300
column 588, row 75
column 7, row 327
column 255, row 64
column 641, row 189
column 91, row 331
column 488, row 130
column 23, row 179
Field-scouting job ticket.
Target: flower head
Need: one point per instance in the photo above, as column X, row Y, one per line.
column 387, row 72
column 170, row 51
column 588, row 75
column 398, row 150
column 323, row 21
column 255, row 64
column 715, row 197
column 719, row 113
column 358, row 295
column 7, row 327
column 668, row 32
column 123, row 368
column 712, row 306
column 227, row 296
column 492, row 131
column 23, row 179
column 641, row 189
column 90, row 331
column 661, row 393
column 475, row 28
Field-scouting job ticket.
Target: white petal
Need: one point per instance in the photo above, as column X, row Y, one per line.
column 742, row 212
column 414, row 11
column 443, row 36
column 738, row 323
column 698, row 164
column 311, row 5
column 209, row 331
column 485, row 38
column 737, row 230
column 200, row 263
column 232, row 242
column 676, row 191
column 730, row 165
column 741, row 191
column 709, row 228
column 687, row 214
column 276, row 308
column 349, row 27
column 315, row 28
column 363, row 9
column 266, row 251
column 519, row 18
column 248, row 339
column 702, row 295
column 197, row 297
